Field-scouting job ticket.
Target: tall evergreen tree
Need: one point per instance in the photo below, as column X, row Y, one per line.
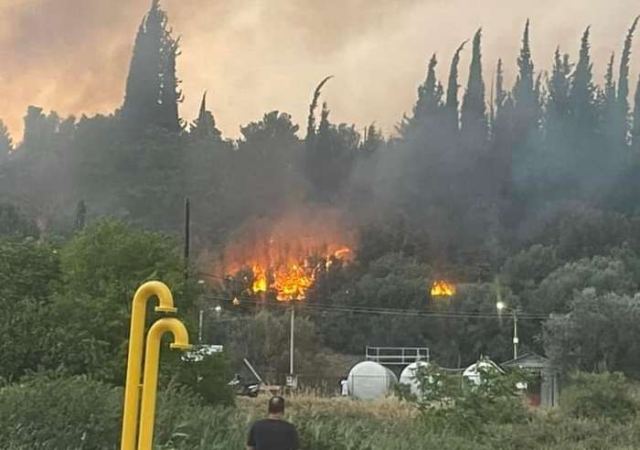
column 473, row 118
column 609, row 105
column 6, row 143
column 152, row 96
column 205, row 125
column 429, row 93
column 81, row 215
column 609, row 83
column 523, row 90
column 501, row 94
column 559, row 87
column 581, row 98
column 622, row 128
column 635, row 132
column 428, row 105
column 503, row 136
column 451, row 105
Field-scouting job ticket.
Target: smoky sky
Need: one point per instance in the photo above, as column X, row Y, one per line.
column 253, row 56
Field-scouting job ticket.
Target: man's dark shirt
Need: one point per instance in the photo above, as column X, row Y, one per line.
column 273, row 434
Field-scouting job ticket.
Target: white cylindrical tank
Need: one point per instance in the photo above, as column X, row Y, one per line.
column 369, row 380
column 408, row 376
column 472, row 373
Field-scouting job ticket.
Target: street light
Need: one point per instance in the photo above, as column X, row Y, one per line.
column 501, row 306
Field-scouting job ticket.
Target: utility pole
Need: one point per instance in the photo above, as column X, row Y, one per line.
column 292, row 338
column 200, row 325
column 187, row 236
column 515, row 334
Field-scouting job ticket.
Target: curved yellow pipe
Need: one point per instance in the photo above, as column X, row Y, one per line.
column 150, row 381
column 134, row 361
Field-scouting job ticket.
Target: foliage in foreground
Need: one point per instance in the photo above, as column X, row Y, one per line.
column 79, row 413
column 596, row 395
column 451, row 402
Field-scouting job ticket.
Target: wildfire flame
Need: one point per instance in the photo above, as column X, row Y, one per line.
column 442, row 288
column 286, row 255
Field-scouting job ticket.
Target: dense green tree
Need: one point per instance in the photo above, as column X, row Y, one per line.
column 622, row 125
column 267, row 163
column 598, row 334
column 15, row 223
column 473, row 119
column 523, row 90
column 6, row 143
column 429, row 95
column 29, row 275
column 152, row 95
column 204, row 127
column 329, row 158
column 582, row 93
column 635, row 132
column 451, row 102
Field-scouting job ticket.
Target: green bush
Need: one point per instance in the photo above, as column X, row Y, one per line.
column 453, row 403
column 209, row 378
column 599, row 395
column 59, row 413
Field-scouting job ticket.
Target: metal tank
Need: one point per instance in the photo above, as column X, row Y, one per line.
column 369, row 380
column 408, row 376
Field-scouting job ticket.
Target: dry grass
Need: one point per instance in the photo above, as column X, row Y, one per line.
column 307, row 403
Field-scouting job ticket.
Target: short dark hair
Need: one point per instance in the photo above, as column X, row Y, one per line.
column 276, row 405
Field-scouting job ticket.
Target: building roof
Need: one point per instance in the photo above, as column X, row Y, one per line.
column 529, row 360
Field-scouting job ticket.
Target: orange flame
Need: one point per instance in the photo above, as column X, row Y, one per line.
column 442, row 288
column 286, row 255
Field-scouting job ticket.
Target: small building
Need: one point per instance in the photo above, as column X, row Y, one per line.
column 543, row 391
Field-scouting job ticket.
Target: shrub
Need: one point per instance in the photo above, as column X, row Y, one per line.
column 599, row 395
column 209, row 378
column 453, row 403
column 59, row 413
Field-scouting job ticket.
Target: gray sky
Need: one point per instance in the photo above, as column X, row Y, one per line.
column 258, row 55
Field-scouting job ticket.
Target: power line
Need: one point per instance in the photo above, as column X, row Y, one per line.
column 318, row 308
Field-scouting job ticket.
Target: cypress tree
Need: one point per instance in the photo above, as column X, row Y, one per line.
column 622, row 120
column 473, row 113
column 635, row 131
column 81, row 215
column 582, row 90
column 6, row 143
column 523, row 90
column 609, row 83
column 152, row 96
column 429, row 93
column 451, row 105
column 311, row 120
column 205, row 125
column 559, row 86
column 501, row 94
column 503, row 136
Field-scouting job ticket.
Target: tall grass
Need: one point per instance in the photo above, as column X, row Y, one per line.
column 77, row 413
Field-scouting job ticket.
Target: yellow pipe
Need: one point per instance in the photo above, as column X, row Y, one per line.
column 150, row 381
column 134, row 362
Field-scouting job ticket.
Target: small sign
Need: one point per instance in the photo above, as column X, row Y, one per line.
column 292, row 381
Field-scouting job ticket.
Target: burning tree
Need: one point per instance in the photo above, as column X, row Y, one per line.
column 286, row 255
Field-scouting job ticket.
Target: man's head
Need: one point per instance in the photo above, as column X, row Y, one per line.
column 276, row 406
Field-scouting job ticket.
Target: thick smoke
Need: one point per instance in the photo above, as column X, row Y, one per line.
column 254, row 56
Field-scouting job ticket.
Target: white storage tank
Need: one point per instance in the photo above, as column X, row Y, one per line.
column 408, row 375
column 369, row 380
column 472, row 373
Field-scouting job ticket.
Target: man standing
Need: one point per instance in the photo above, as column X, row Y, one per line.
column 273, row 433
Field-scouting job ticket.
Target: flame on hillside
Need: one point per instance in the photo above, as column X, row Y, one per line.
column 442, row 288
column 286, row 255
